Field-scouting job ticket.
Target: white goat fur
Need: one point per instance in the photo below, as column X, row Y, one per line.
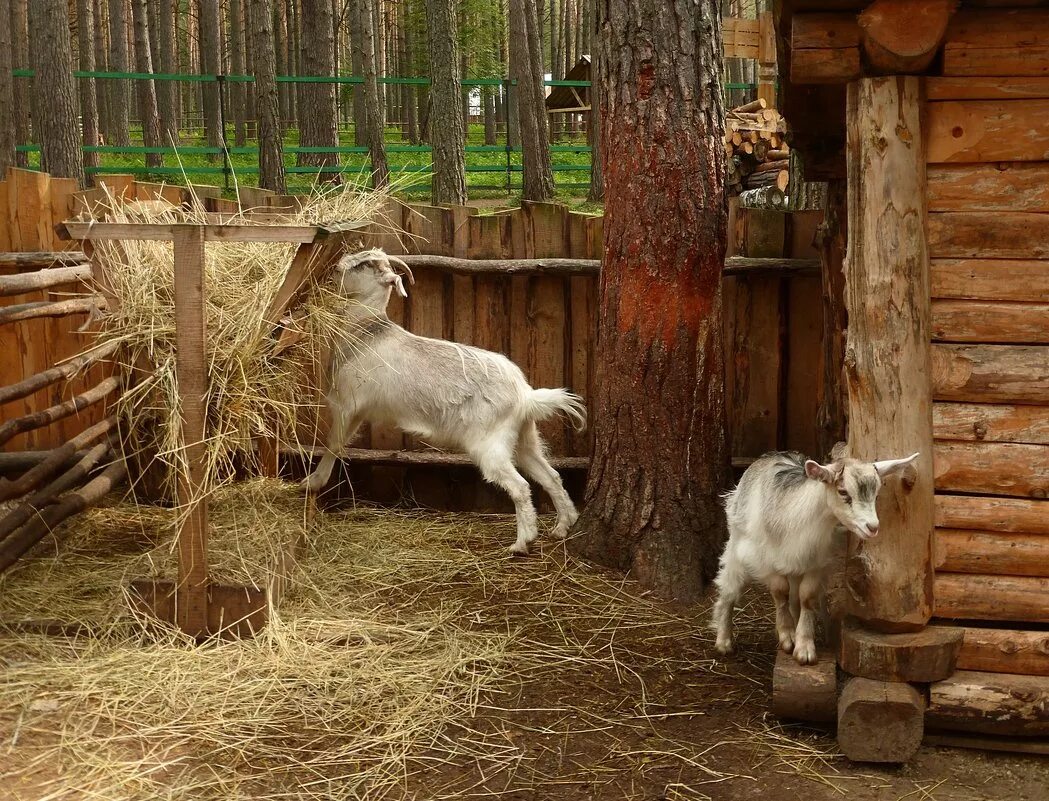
column 451, row 395
column 781, row 521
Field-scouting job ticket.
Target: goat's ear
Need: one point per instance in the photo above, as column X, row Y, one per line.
column 819, row 472
column 839, row 451
column 890, row 466
column 394, row 280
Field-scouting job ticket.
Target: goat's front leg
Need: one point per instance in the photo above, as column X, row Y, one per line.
column 344, row 426
column 805, row 635
column 779, row 586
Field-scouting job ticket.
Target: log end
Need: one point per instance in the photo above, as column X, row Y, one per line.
column 923, row 656
column 805, row 692
column 880, row 721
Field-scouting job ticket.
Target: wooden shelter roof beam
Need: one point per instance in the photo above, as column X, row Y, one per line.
column 164, row 232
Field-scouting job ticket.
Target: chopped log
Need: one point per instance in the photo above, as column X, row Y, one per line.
column 1009, row 187
column 53, row 375
column 805, row 692
column 964, row 596
column 766, row 197
column 43, row 279
column 990, row 703
column 903, row 36
column 43, row 259
column 449, row 264
column 918, row 656
column 992, row 514
column 30, row 422
column 989, row 235
column 880, row 721
column 976, row 88
column 44, row 308
column 999, row 42
column 992, row 468
column 991, row 373
column 991, row 279
column 990, row 322
column 16, row 545
column 840, row 65
column 887, row 363
column 753, row 105
column 986, row 422
column 774, row 165
column 1005, row 651
column 742, row 265
column 988, row 130
column 778, row 155
column 992, row 553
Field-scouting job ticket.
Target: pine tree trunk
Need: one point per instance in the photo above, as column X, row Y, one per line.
column 410, row 110
column 7, row 91
column 317, row 108
column 85, row 29
column 167, row 91
column 557, row 71
column 192, row 92
column 659, row 456
column 267, row 101
column 119, row 123
column 147, row 98
column 372, row 101
column 447, row 132
column 55, row 107
column 238, row 58
column 21, row 90
column 379, row 37
column 594, row 136
column 360, row 119
column 488, row 103
column 98, row 36
column 211, row 64
column 526, row 67
column 280, row 18
column 251, row 129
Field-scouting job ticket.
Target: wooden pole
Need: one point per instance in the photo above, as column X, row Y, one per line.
column 191, row 370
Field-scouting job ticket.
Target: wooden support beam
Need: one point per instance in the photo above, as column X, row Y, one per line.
column 805, row 692
column 191, row 371
column 989, row 422
column 990, row 321
column 1001, row 186
column 917, row 656
column 978, row 88
column 1005, row 651
column 995, row 553
column 991, row 279
column 880, row 721
column 55, row 460
column 992, row 514
column 434, row 458
column 887, row 353
column 450, row 264
column 45, row 308
column 166, row 232
column 53, row 375
column 992, row 468
column 961, row 131
column 963, row 596
column 19, row 425
column 743, row 265
column 42, row 259
column 990, row 703
column 43, row 279
column 232, row 611
column 991, row 373
column 998, row 42
column 902, row 37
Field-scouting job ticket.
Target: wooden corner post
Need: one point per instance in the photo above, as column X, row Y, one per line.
column 191, row 597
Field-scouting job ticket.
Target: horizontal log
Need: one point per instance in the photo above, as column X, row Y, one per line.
column 43, row 279
column 805, row 692
column 991, row 553
column 974, row 88
column 838, row 65
column 991, row 373
column 450, row 264
column 432, row 458
column 164, row 232
column 1010, row 43
column 40, row 259
column 742, row 265
column 992, row 468
column 1005, row 186
column 990, row 703
column 44, row 308
column 987, row 130
column 990, row 279
column 988, row 235
column 992, row 514
column 19, row 425
column 990, row 321
column 53, row 375
column 823, row 31
column 18, row 462
column 987, row 742
column 770, row 198
column 991, row 422
column 963, row 596
column 1005, row 651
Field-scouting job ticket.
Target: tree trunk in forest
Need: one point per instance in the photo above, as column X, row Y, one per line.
column 292, row 62
column 100, row 45
column 372, row 101
column 526, row 67
column 317, row 118
column 238, row 91
column 488, row 99
column 119, row 123
column 379, row 39
column 512, row 94
column 7, row 91
column 211, row 64
column 251, row 129
column 557, row 71
column 447, row 131
column 88, row 99
column 22, row 86
column 360, row 112
column 267, row 101
column 280, row 24
column 167, row 91
column 55, row 107
column 659, row 457
column 147, row 98
column 410, row 110
column 597, row 180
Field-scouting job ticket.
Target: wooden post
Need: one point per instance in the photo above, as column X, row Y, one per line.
column 767, row 59
column 191, row 370
column 887, row 357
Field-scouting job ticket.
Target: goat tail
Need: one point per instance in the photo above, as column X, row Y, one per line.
column 543, row 404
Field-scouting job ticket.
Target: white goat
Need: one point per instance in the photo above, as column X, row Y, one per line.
column 781, row 521
column 452, row 395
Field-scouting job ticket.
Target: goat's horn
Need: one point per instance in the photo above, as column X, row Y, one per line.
column 407, row 269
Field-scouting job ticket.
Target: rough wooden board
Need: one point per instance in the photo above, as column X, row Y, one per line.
column 879, row 721
column 991, row 279
column 993, row 553
column 838, row 65
column 805, row 692
column 163, row 232
column 962, row 596
column 991, row 373
column 990, row 703
column 919, row 656
column 966, row 131
column 1008, row 187
column 992, row 514
column 231, row 611
column 756, row 353
column 992, row 468
column 988, row 422
column 804, row 365
column 1005, row 651
column 976, row 88
column 989, row 235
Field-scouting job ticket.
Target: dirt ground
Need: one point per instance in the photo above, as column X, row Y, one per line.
column 599, row 691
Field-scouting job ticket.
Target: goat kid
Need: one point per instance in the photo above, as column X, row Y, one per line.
column 452, row 395
column 781, row 521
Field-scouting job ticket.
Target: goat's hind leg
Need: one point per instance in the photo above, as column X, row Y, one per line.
column 496, row 463
column 780, row 587
column 344, row 426
column 533, row 463
column 730, row 581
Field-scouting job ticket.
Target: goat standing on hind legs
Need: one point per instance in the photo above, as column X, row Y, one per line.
column 452, row 395
column 781, row 521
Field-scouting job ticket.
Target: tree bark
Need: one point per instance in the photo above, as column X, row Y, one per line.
column 318, row 123
column 267, row 103
column 659, row 457
column 20, row 57
column 360, row 112
column 167, row 91
column 410, row 110
column 147, row 97
column 594, row 136
column 280, row 20
column 447, row 129
column 100, row 45
column 55, row 106
column 238, row 57
column 86, row 57
column 372, row 100
column 119, row 123
column 488, row 101
column 211, row 64
column 7, row 91
column 526, row 67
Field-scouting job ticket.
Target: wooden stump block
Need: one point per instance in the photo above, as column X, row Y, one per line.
column 805, row 692
column 880, row 721
column 927, row 655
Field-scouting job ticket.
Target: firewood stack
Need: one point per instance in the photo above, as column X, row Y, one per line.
column 756, row 155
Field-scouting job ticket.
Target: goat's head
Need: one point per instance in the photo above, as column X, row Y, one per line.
column 369, row 277
column 852, row 488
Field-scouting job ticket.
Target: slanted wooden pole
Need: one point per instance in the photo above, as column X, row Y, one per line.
column 191, row 370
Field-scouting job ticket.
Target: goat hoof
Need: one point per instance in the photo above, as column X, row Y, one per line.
column 786, row 643
column 311, row 484
column 559, row 532
column 725, row 647
column 805, row 653
column 519, row 549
